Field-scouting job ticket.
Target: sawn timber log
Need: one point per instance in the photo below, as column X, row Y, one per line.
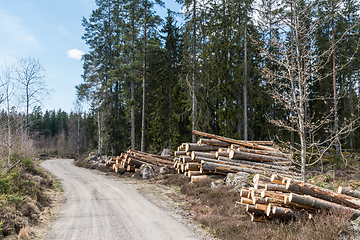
column 322, row 193
column 320, row 204
column 239, row 142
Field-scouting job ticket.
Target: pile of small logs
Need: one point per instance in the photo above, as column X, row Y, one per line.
column 286, row 198
column 132, row 160
column 220, row 156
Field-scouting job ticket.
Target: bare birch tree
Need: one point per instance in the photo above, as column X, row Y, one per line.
column 31, row 77
column 8, row 93
column 298, row 68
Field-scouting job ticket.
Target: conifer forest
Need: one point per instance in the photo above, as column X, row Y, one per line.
column 287, row 71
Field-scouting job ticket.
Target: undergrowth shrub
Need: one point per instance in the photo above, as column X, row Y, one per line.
column 175, row 180
column 22, row 196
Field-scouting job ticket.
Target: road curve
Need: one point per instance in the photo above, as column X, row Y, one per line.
column 99, row 207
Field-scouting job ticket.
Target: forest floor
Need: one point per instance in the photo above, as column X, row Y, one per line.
column 211, row 212
column 30, row 199
column 216, row 212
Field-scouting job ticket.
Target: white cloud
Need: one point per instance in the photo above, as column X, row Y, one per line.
column 75, row 54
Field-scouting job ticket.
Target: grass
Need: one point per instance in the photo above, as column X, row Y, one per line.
column 58, row 186
column 22, row 196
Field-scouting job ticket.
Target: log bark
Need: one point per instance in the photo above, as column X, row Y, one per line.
column 261, row 207
column 264, row 165
column 135, row 162
column 213, row 142
column 237, row 164
column 194, row 173
column 193, row 166
column 244, row 192
column 274, row 195
column 120, row 169
column 195, row 154
column 151, row 160
column 149, row 155
column 275, row 178
column 259, row 185
column 234, row 154
column 264, row 143
column 322, row 193
column 321, row 204
column 252, row 209
column 255, row 193
column 262, row 152
column 130, row 168
column 229, row 140
column 205, row 177
column 244, row 200
column 260, row 178
column 276, row 187
column 295, row 205
column 221, row 154
column 185, row 159
column 289, row 213
column 349, row 192
column 196, row 147
column 206, row 165
column 180, row 153
column 259, row 200
column 274, row 200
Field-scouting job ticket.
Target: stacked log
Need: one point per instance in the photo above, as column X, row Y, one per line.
column 220, row 156
column 286, row 198
column 132, row 160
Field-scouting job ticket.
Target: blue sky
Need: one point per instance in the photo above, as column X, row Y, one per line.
column 50, row 30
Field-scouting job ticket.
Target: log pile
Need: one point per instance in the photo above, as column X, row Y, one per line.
column 216, row 155
column 132, row 160
column 286, row 198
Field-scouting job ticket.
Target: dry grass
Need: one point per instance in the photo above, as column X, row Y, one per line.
column 23, row 197
column 175, row 179
column 217, row 211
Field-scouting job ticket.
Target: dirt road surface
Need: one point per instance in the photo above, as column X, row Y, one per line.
column 100, row 207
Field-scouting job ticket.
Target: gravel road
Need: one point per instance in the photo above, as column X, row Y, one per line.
column 100, row 207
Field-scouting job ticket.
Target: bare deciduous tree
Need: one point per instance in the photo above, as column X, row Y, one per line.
column 298, row 68
column 31, row 77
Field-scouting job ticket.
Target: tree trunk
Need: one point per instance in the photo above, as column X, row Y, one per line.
column 245, row 83
column 194, row 106
column 292, row 134
column 143, row 122
column 78, row 134
column 132, row 85
column 9, row 126
column 321, row 204
column 337, row 143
